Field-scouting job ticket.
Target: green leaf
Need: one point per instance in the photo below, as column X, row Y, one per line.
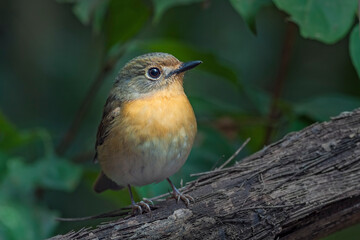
column 11, row 138
column 355, row 48
column 3, row 163
column 99, row 15
column 19, row 181
column 326, row 21
column 186, row 52
column 22, row 221
column 22, row 178
column 162, row 5
column 124, row 19
column 248, row 10
column 57, row 173
column 84, row 9
column 91, row 11
column 324, row 107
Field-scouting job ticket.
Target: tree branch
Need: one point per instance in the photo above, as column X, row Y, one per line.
column 305, row 186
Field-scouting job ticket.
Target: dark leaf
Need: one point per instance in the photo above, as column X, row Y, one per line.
column 248, row 10
column 355, row 48
column 326, row 21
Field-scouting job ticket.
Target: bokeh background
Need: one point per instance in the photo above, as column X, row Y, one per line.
column 270, row 67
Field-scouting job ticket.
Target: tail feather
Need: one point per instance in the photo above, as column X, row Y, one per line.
column 103, row 183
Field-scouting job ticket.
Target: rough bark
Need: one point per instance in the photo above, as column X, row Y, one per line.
column 305, row 186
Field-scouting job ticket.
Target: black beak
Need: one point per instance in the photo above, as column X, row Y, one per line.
column 184, row 67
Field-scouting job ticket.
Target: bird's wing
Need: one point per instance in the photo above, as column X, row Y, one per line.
column 111, row 110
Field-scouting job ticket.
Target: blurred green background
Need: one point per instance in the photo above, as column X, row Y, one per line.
column 270, row 67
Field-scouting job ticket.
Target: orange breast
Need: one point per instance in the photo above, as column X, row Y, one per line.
column 157, row 116
column 150, row 139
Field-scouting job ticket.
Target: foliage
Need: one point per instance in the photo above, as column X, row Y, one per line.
column 22, row 179
column 233, row 93
column 248, row 9
column 355, row 48
column 160, row 6
column 326, row 21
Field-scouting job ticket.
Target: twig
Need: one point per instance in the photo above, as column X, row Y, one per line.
column 220, row 169
column 235, row 154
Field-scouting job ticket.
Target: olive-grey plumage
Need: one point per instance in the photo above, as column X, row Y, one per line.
column 148, row 125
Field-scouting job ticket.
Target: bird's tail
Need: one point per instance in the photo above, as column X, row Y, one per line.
column 103, row 183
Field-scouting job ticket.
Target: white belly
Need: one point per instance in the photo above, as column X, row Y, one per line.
column 151, row 161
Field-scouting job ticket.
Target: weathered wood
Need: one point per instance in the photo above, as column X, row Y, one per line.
column 305, row 186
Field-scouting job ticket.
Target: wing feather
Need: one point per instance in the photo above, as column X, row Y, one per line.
column 111, row 110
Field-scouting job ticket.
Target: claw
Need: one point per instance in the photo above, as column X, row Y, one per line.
column 187, row 199
column 135, row 208
column 148, row 201
column 190, row 198
column 140, row 207
column 145, row 205
column 178, row 195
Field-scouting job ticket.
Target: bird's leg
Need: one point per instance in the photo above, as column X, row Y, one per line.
column 178, row 195
column 140, row 205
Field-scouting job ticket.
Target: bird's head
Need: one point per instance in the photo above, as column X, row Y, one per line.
column 149, row 73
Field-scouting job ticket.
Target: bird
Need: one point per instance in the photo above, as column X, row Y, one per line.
column 147, row 128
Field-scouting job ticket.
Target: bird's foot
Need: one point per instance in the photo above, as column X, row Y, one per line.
column 184, row 197
column 138, row 208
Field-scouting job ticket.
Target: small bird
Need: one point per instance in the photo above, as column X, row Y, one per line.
column 147, row 128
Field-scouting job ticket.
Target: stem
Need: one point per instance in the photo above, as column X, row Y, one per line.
column 274, row 113
column 86, row 104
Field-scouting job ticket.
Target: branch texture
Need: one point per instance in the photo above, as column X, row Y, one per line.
column 305, row 186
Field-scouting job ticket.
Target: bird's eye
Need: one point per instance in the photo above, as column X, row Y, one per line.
column 154, row 73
